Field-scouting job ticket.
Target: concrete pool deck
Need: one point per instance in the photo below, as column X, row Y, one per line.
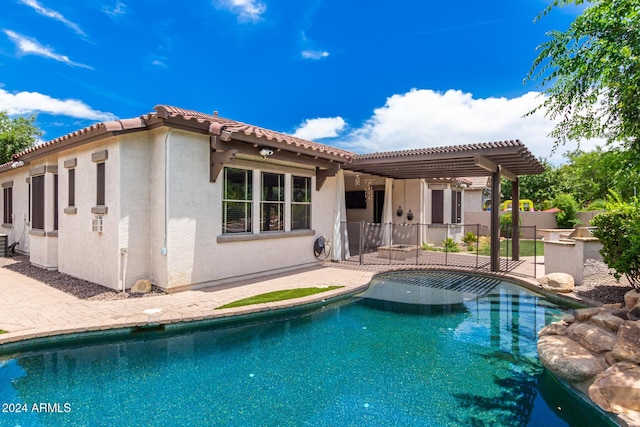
column 32, row 309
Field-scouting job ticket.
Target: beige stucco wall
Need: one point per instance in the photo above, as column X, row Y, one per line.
column 82, row 252
column 19, row 229
column 143, row 198
column 570, row 257
column 194, row 255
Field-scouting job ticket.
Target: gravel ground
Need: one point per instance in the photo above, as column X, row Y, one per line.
column 72, row 285
column 598, row 284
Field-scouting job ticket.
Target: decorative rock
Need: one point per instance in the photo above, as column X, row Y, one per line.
column 634, row 313
column 627, row 347
column 584, row 314
column 556, row 328
column 608, row 357
column 557, row 282
column 142, row 286
column 567, row 359
column 607, row 320
column 631, row 299
column 617, row 389
column 591, row 336
column 622, row 313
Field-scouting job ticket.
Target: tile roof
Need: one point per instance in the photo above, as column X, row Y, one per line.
column 239, row 128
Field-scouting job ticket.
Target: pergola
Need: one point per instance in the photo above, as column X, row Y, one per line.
column 508, row 159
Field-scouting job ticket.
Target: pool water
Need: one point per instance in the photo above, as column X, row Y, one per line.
column 472, row 362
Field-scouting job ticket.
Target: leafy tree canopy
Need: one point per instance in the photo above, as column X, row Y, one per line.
column 16, row 135
column 591, row 73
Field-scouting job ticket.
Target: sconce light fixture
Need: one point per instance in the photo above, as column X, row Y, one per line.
column 399, row 212
column 409, row 215
column 17, row 164
column 265, row 151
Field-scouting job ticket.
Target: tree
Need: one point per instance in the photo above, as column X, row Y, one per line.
column 592, row 73
column 618, row 229
column 16, row 135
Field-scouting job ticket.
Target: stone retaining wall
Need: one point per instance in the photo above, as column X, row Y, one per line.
column 598, row 351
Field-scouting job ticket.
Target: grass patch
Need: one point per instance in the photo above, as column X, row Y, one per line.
column 2, row 331
column 278, row 296
column 526, row 248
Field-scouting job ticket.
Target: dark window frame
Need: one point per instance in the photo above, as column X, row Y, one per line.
column 37, row 202
column 72, row 188
column 8, row 205
column 306, row 196
column 437, row 206
column 234, row 202
column 100, row 184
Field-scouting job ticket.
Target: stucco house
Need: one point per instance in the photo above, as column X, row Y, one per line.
column 189, row 200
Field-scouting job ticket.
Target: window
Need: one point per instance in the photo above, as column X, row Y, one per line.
column 300, row 203
column 8, row 205
column 100, row 185
column 437, row 206
column 272, row 202
column 37, row 203
column 237, row 201
column 72, row 187
column 55, row 201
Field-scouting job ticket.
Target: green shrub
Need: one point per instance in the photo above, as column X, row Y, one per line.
column 506, row 226
column 428, row 247
column 619, row 232
column 450, row 245
column 596, row 205
column 469, row 238
column 568, row 206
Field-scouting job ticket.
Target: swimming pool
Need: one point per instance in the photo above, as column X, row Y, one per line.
column 400, row 357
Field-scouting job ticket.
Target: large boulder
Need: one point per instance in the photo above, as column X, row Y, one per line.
column 557, row 282
column 618, row 388
column 592, row 336
column 631, row 299
column 627, row 346
column 607, row 320
column 142, row 286
column 584, row 314
column 567, row 359
column 555, row 328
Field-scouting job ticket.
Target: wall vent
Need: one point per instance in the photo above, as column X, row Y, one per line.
column 96, row 224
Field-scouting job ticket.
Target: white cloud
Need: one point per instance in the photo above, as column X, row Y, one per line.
column 34, row 102
column 327, row 127
column 50, row 13
column 247, row 10
column 425, row 118
column 27, row 46
column 116, row 10
column 314, row 54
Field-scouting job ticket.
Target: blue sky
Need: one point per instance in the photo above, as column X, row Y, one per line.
column 361, row 75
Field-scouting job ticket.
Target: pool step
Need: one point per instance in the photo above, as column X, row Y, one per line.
column 478, row 285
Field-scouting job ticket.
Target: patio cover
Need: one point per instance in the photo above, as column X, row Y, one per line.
column 509, row 159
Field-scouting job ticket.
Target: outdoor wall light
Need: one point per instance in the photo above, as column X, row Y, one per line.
column 409, row 215
column 399, row 212
column 264, row 152
column 17, row 164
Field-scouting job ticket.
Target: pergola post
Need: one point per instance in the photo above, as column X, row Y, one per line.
column 495, row 221
column 515, row 217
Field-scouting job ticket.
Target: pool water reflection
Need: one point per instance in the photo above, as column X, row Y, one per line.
column 349, row 364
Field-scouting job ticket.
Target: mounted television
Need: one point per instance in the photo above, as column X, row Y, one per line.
column 356, row 200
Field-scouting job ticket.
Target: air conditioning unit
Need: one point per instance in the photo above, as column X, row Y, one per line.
column 96, row 223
